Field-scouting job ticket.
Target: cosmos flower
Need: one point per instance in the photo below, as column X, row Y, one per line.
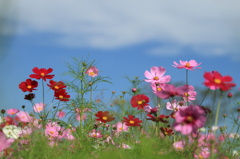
column 41, row 73
column 92, row 71
column 28, row 86
column 156, row 75
column 38, row 107
column 215, row 80
column 119, row 126
column 189, row 119
column 132, row 121
column 189, row 65
column 56, row 85
column 171, row 91
column 61, row 95
column 12, row 131
column 12, row 111
column 139, row 101
column 104, row 116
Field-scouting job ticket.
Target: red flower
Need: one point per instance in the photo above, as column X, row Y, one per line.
column 139, row 101
column 215, row 80
column 166, row 131
column 132, row 121
column 29, row 85
column 42, row 73
column 61, row 95
column 104, row 116
column 157, row 119
column 56, row 85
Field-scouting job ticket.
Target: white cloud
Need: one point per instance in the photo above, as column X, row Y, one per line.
column 205, row 26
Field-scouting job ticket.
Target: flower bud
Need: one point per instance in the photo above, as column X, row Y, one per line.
column 229, row 95
column 3, row 111
column 134, row 89
column 224, row 115
column 23, row 106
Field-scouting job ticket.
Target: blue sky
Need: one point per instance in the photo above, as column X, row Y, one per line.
column 124, row 37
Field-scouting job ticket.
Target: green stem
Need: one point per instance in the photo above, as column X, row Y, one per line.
column 217, row 113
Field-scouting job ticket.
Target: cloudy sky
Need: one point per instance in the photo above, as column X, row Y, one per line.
column 124, row 37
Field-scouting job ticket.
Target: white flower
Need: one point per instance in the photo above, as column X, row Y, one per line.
column 235, row 153
column 11, row 131
column 234, row 135
column 202, row 129
column 214, row 128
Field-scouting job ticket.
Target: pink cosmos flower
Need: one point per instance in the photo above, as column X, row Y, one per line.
column 157, row 87
column 171, row 91
column 174, row 105
column 124, row 146
column 60, row 114
column 204, row 153
column 189, row 119
column 23, row 117
column 190, row 95
column 95, row 134
column 156, row 75
column 52, row 130
column 12, row 111
column 179, row 145
column 120, row 127
column 92, row 71
column 4, row 141
column 189, row 65
column 38, row 107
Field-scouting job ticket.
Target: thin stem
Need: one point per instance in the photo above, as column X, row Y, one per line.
column 204, row 96
column 217, row 113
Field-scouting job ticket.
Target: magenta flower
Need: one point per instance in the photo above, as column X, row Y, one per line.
column 156, row 75
column 61, row 114
column 92, row 71
column 171, row 91
column 189, row 65
column 189, row 119
column 95, row 134
column 52, row 130
column 190, row 95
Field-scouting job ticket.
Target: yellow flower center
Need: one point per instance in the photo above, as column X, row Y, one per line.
column 29, row 87
column 200, row 156
column 156, row 78
column 187, row 64
column 56, row 87
column 189, row 119
column 51, row 132
column 42, row 74
column 186, row 94
column 159, row 89
column 104, row 118
column 139, row 102
column 218, row 81
column 131, row 122
column 94, row 135
column 91, row 73
column 120, row 128
column 179, row 148
column 61, row 96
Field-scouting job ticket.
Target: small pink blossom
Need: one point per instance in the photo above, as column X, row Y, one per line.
column 95, row 134
column 179, row 145
column 23, row 117
column 119, row 126
column 190, row 94
column 189, row 65
column 92, row 71
column 12, row 111
column 204, row 153
column 38, row 107
column 156, row 75
column 52, row 130
column 60, row 114
column 174, row 105
column 124, row 146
